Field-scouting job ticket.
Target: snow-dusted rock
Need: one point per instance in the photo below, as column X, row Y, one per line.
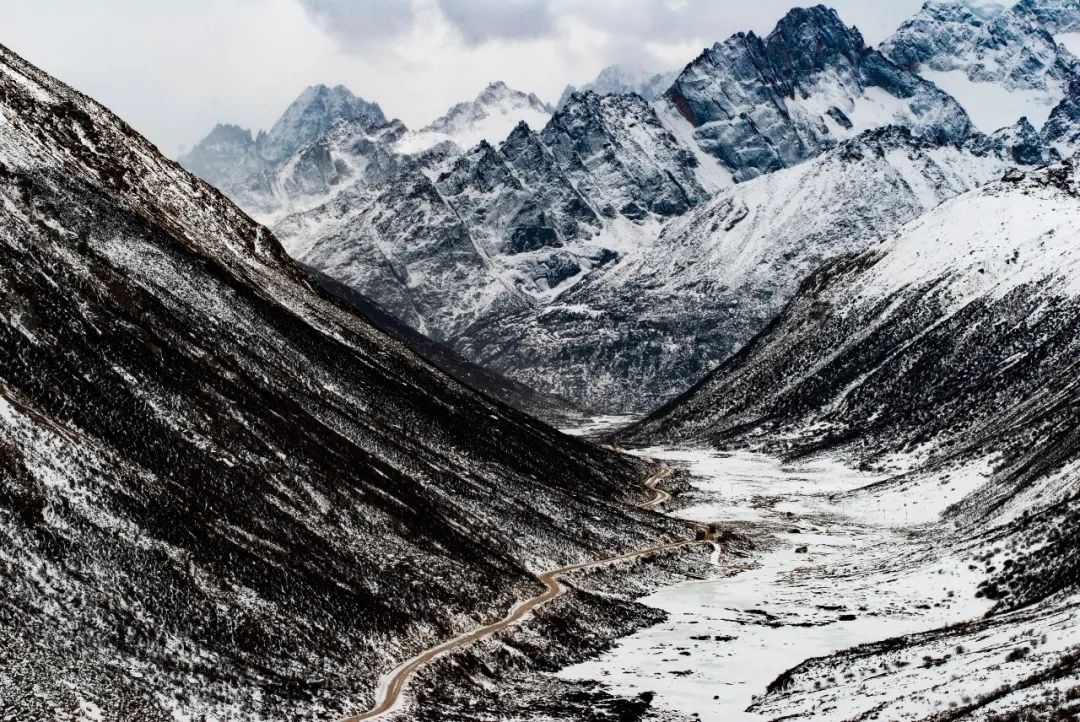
column 1000, row 67
column 309, row 116
column 639, row 332
column 1056, row 16
column 761, row 104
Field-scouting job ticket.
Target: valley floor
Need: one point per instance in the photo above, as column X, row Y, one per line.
column 841, row 570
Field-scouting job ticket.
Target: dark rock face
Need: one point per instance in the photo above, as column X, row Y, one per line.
column 615, row 146
column 1063, row 126
column 1023, row 144
column 1056, row 16
column 745, row 96
column 220, row 489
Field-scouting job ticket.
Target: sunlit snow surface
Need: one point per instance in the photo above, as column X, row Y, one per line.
column 859, row 580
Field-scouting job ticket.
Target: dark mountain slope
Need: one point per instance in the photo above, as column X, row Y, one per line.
column 957, row 330
column 221, row 491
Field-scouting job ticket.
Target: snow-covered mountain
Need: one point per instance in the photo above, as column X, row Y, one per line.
column 993, row 269
column 220, row 488
column 309, row 116
column 946, row 356
column 623, row 80
column 638, row 332
column 522, row 253
column 761, row 104
column 452, row 241
column 1000, row 67
column 261, row 174
column 490, row 117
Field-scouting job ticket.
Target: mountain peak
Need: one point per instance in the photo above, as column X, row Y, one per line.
column 624, row 79
column 311, row 114
column 813, row 36
column 490, row 117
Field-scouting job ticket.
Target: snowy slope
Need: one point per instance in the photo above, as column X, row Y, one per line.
column 219, row 487
column 945, row 354
column 995, row 268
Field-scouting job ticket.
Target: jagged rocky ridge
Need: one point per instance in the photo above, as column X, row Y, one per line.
column 1000, row 67
column 220, row 488
column 634, row 335
column 553, row 255
column 761, row 104
column 948, row 348
column 452, row 240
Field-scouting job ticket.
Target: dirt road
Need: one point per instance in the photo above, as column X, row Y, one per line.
column 394, row 683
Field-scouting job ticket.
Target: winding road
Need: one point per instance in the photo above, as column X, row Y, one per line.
column 394, row 683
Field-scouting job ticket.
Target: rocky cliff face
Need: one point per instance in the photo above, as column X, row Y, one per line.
column 761, row 104
column 455, row 240
column 221, row 488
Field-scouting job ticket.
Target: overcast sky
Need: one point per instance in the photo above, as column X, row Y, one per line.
column 174, row 68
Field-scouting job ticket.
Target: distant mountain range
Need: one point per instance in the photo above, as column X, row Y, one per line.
column 558, row 255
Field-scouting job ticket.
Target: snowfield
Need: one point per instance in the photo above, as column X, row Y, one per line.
column 841, row 574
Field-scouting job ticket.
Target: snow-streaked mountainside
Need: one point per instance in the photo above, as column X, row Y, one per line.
column 945, row 357
column 490, row 117
column 640, row 331
column 999, row 67
column 552, row 409
column 761, row 104
column 1002, row 261
column 623, row 80
column 568, row 236
column 220, row 488
column 451, row 241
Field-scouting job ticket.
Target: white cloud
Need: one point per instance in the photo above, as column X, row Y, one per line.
column 173, row 69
